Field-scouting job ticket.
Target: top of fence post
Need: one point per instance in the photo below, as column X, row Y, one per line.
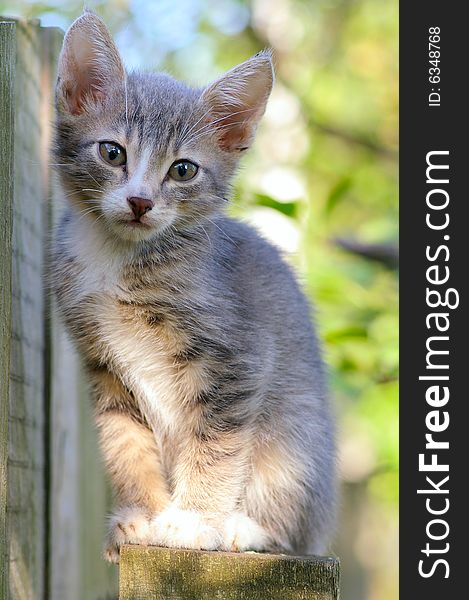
column 165, row 573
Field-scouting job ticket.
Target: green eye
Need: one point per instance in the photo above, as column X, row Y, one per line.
column 112, row 153
column 183, row 170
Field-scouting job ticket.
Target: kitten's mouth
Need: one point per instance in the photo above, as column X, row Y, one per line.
column 133, row 230
column 135, row 223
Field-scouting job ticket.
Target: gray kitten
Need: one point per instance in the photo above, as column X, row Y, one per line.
column 209, row 389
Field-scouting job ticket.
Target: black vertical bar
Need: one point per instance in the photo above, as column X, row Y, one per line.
column 430, row 252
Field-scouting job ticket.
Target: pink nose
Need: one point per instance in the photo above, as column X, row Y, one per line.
column 140, row 206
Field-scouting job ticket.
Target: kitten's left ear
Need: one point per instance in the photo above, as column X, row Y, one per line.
column 89, row 64
column 238, row 100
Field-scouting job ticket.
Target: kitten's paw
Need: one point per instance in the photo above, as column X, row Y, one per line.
column 241, row 533
column 176, row 528
column 128, row 525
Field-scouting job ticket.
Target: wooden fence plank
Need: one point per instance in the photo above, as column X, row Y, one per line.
column 26, row 454
column 7, row 68
column 99, row 578
column 150, row 573
column 79, row 496
column 61, row 407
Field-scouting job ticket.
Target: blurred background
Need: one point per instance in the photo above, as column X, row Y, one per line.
column 321, row 182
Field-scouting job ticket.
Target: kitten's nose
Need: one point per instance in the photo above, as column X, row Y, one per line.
column 140, row 206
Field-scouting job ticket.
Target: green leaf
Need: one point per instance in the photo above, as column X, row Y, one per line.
column 337, row 193
column 287, row 208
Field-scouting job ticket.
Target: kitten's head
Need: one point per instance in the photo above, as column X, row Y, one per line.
column 143, row 153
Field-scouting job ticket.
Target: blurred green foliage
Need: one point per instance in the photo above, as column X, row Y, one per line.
column 322, row 181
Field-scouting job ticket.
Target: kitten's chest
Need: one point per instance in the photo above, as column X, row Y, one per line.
column 134, row 320
column 140, row 336
column 127, row 325
column 148, row 351
column 86, row 264
column 98, row 278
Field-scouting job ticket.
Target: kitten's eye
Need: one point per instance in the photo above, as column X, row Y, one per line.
column 112, row 153
column 183, row 170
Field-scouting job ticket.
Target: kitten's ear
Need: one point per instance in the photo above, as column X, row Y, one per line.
column 89, row 64
column 238, row 100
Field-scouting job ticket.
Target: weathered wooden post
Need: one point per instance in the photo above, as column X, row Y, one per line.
column 7, row 62
column 53, row 494
column 24, row 415
column 149, row 573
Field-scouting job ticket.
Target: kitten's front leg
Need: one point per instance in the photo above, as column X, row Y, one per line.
column 132, row 460
column 208, row 482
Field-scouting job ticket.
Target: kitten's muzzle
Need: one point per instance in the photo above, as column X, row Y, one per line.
column 140, row 206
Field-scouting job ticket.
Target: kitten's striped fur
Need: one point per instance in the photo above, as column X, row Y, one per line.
column 208, row 384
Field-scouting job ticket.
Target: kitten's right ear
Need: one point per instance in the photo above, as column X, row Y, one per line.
column 238, row 99
column 89, row 65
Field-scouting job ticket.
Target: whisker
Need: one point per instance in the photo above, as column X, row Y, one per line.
column 126, row 102
column 212, row 123
column 85, row 213
column 208, row 131
column 206, row 235
column 222, row 231
column 185, row 133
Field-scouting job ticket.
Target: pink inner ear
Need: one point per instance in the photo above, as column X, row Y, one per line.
column 86, row 83
column 76, row 98
column 89, row 64
column 76, row 95
column 236, row 128
column 238, row 101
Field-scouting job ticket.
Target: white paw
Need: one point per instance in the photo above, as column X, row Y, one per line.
column 128, row 525
column 241, row 533
column 176, row 528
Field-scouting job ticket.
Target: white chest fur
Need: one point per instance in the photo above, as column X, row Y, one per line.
column 144, row 357
column 100, row 261
column 142, row 354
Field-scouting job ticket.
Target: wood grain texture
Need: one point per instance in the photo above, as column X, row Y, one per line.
column 26, row 453
column 79, row 496
column 50, row 41
column 150, row 573
column 61, row 405
column 7, row 69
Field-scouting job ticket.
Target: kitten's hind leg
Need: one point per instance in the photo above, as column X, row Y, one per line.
column 241, row 533
column 290, row 492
